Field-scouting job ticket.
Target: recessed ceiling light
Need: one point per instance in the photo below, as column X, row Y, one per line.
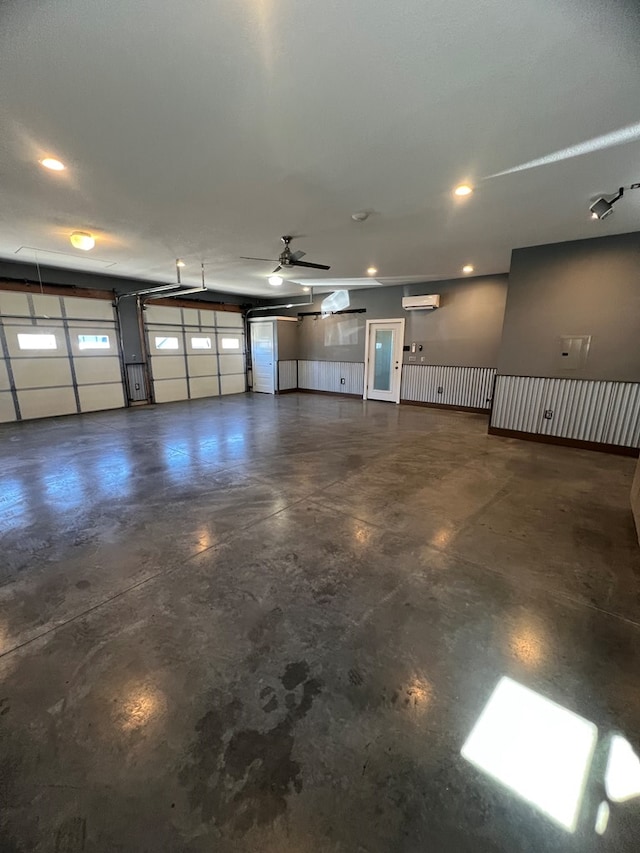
column 372, row 270
column 180, row 263
column 53, row 164
column 82, row 240
column 467, row 268
column 463, row 189
column 275, row 280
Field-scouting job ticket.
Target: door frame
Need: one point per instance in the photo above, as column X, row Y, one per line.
column 399, row 351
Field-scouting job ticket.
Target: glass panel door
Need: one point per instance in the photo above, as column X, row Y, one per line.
column 383, row 360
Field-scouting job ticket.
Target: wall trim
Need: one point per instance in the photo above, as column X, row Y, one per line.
column 450, row 407
column 329, row 393
column 541, row 438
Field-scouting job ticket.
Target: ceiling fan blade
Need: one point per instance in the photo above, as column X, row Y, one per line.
column 297, row 255
column 244, row 258
column 311, row 266
column 277, row 269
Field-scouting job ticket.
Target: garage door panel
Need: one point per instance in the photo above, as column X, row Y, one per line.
column 87, row 341
column 94, row 398
column 168, row 367
column 231, row 364
column 14, row 304
column 47, row 402
column 154, row 314
column 229, row 320
column 91, row 370
column 233, row 384
column 165, row 342
column 204, row 386
column 167, row 390
column 46, row 305
column 7, row 409
column 202, row 365
column 41, row 372
column 200, row 343
column 190, row 317
column 90, row 309
column 12, row 332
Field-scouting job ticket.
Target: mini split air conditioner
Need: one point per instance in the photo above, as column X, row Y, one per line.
column 421, row 303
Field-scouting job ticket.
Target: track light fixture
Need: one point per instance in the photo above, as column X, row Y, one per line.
column 602, row 207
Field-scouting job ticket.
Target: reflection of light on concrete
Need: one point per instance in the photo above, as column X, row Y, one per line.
column 419, row 694
column 141, row 707
column 526, row 645
column 205, row 539
column 538, row 749
column 13, row 504
column 63, row 490
column 602, row 818
column 622, row 777
column 361, row 535
column 442, row 537
column 609, row 140
column 113, row 474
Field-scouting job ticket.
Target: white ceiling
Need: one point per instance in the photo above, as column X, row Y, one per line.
column 205, row 129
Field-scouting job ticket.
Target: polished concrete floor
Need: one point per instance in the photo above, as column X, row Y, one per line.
column 272, row 624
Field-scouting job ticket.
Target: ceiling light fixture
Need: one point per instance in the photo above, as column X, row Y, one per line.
column 467, row 268
column 463, row 190
column 53, row 164
column 275, row 280
column 82, row 240
column 306, row 289
column 180, row 263
column 372, row 270
column 602, row 207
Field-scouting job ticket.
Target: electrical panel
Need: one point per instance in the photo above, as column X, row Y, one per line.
column 573, row 351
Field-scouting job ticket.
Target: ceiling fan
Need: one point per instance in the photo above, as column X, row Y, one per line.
column 288, row 258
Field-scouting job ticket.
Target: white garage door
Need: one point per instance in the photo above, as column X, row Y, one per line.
column 195, row 352
column 60, row 356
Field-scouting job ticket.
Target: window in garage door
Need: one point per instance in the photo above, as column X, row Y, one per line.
column 59, row 355
column 187, row 354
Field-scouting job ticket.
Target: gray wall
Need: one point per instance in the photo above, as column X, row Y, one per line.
column 464, row 332
column 288, row 339
column 585, row 287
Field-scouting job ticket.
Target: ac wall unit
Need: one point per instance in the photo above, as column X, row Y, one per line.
column 421, row 303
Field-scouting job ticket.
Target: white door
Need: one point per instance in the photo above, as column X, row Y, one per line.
column 384, row 360
column 262, row 357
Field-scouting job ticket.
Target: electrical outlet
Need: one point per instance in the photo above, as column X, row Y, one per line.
column 342, row 381
column 548, row 414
